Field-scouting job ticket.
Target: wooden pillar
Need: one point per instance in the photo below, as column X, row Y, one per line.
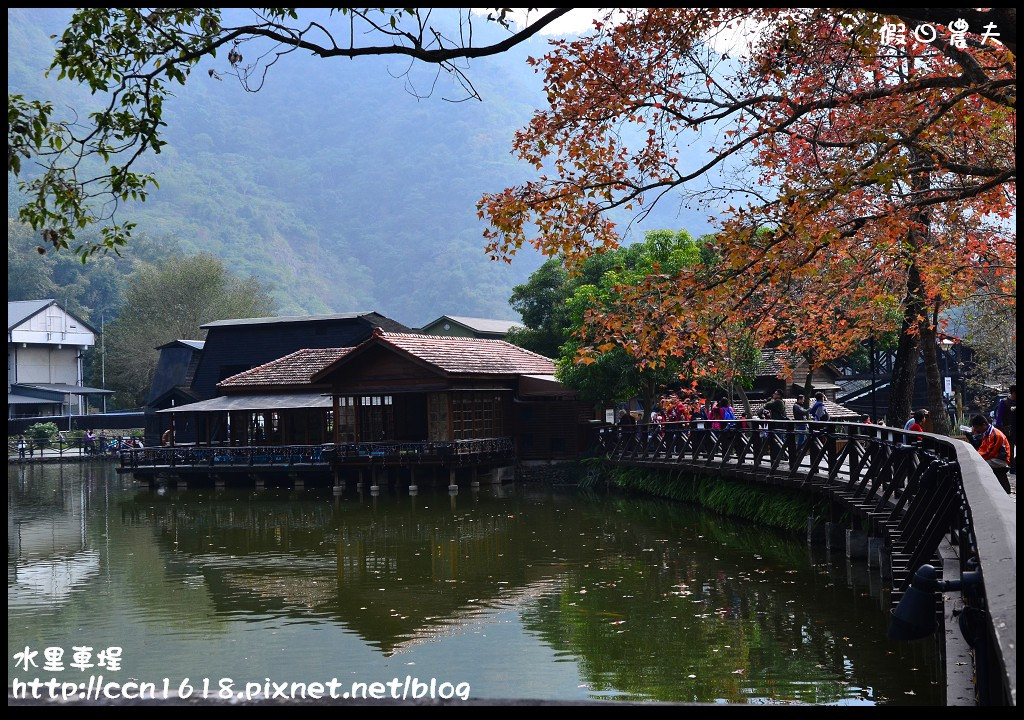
column 337, row 418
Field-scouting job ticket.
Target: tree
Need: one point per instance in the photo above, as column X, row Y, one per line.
column 541, row 302
column 167, row 303
column 555, row 307
column 866, row 184
column 134, row 57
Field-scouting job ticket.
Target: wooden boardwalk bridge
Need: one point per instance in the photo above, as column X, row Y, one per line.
column 905, row 494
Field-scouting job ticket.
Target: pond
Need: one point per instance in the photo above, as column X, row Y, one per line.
column 503, row 592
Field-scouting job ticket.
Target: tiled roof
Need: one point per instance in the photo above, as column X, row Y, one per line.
column 294, row 369
column 772, row 362
column 471, row 356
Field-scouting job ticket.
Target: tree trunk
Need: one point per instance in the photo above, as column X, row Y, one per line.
column 904, row 370
column 936, row 403
column 745, row 400
column 915, row 318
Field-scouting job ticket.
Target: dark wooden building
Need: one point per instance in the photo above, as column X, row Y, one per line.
column 234, row 346
column 396, row 399
column 172, row 384
column 402, row 387
column 273, row 404
column 189, row 371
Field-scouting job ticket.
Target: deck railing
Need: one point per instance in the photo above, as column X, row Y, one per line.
column 200, row 456
column 911, row 489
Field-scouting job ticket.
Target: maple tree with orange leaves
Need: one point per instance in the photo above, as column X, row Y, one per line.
column 863, row 186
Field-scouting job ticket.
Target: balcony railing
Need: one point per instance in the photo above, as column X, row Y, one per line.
column 199, row 456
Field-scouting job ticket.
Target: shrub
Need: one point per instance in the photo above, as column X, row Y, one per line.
column 42, row 432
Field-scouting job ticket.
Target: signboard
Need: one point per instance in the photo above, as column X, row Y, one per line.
column 949, row 385
column 609, row 416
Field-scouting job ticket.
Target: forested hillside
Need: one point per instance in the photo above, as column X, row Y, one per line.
column 333, row 184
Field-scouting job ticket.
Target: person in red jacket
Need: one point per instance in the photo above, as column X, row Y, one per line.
column 993, row 447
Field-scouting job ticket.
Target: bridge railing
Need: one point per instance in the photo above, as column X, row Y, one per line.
column 63, row 446
column 912, row 489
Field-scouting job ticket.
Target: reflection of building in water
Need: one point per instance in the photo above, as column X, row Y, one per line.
column 307, row 558
column 47, row 545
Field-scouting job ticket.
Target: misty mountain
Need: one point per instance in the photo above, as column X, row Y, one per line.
column 333, row 182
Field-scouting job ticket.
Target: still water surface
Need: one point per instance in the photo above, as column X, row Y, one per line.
column 520, row 591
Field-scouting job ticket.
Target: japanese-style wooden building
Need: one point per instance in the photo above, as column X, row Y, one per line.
column 397, row 400
column 189, row 371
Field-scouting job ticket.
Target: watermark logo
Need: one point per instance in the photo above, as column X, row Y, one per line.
column 896, row 33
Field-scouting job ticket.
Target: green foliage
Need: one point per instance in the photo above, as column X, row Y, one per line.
column 42, row 432
column 771, row 507
column 555, row 306
column 93, row 291
column 541, row 302
column 614, row 375
column 135, row 59
column 171, row 302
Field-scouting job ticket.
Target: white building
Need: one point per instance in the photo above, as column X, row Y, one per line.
column 45, row 373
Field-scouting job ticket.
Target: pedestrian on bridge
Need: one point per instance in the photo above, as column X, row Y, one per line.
column 994, row 448
column 1006, row 421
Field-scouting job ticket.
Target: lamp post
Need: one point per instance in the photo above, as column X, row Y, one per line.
column 874, row 401
column 945, row 343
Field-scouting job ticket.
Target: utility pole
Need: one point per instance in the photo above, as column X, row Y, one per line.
column 103, row 359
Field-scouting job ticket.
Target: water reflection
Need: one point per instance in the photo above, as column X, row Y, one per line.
column 522, row 592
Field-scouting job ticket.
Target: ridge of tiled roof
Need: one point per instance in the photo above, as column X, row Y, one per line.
column 472, row 356
column 296, row 368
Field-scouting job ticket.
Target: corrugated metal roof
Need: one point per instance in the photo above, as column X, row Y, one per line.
column 64, row 388
column 470, row 356
column 18, row 311
column 14, row 399
column 297, row 319
column 484, row 325
column 294, row 369
column 194, row 344
column 281, row 401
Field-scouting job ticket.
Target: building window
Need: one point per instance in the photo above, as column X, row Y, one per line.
column 476, row 415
